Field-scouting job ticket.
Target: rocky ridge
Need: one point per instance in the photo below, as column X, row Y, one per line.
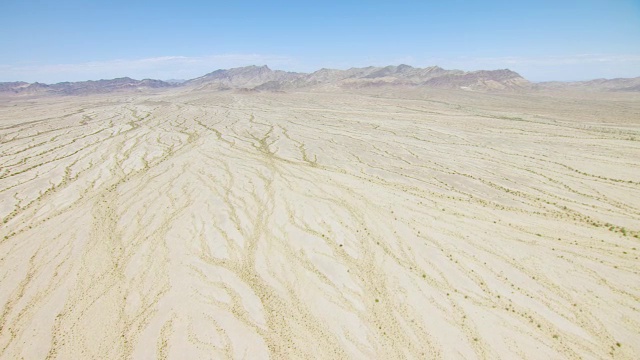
column 262, row 78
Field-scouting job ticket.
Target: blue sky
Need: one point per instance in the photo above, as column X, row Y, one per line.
column 50, row 41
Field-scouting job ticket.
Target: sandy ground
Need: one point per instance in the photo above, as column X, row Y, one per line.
column 380, row 225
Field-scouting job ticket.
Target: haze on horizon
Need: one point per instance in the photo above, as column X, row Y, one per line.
column 543, row 40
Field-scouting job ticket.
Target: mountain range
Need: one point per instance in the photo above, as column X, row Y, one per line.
column 262, row 78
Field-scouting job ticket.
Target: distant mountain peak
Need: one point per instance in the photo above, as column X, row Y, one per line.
column 83, row 87
column 262, row 78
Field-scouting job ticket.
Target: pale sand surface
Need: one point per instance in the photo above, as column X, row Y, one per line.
column 379, row 225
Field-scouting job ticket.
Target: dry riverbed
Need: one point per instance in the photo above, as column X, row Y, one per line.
column 379, row 225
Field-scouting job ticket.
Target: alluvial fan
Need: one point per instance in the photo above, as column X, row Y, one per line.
column 369, row 225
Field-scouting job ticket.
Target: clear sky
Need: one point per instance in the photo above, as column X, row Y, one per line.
column 51, row 41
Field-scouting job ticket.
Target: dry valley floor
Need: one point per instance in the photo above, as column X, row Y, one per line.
column 380, row 224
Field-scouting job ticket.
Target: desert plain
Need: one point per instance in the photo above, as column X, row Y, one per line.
column 323, row 224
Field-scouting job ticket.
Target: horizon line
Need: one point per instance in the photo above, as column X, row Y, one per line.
column 173, row 79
